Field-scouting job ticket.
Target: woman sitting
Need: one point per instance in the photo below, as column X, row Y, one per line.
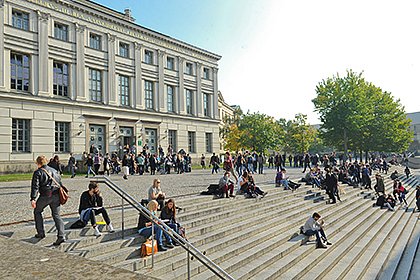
column 145, row 228
column 168, row 216
column 249, row 188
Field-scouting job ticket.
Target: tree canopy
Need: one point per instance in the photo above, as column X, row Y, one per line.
column 357, row 114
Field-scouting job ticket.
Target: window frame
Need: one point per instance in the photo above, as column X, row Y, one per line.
column 172, row 135
column 206, row 73
column 189, row 68
column 24, row 23
column 124, row 90
column 61, row 31
column 56, row 87
column 148, row 57
column 24, row 132
column 192, row 142
column 206, row 107
column 62, row 137
column 17, row 66
column 209, row 142
column 149, row 101
column 170, row 65
column 98, row 84
column 189, row 101
column 94, row 39
column 170, row 102
column 126, row 47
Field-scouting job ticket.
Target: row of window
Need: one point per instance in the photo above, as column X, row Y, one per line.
column 20, row 80
column 21, row 135
column 61, row 32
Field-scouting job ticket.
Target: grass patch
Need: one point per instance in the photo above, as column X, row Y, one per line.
column 21, row 177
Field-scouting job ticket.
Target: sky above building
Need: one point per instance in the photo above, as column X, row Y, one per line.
column 275, row 52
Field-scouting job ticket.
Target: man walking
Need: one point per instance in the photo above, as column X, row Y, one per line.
column 72, row 165
column 44, row 182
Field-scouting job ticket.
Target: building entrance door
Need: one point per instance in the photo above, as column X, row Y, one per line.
column 151, row 139
column 97, row 137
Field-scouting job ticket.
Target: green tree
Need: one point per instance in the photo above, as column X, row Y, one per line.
column 359, row 115
column 299, row 134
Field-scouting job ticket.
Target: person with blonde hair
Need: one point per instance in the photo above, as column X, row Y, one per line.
column 46, row 182
column 155, row 193
column 145, row 225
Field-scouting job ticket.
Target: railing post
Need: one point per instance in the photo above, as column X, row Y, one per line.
column 122, row 218
column 188, row 265
column 153, row 245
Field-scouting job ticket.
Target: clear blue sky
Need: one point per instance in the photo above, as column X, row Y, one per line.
column 275, row 52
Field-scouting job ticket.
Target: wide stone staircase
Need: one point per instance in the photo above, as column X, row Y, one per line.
column 258, row 238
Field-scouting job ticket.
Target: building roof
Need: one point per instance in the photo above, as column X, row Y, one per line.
column 122, row 16
column 415, row 117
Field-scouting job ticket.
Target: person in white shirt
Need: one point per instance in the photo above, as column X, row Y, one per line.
column 314, row 226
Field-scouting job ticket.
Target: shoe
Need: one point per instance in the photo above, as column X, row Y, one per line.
column 110, row 228
column 97, row 232
column 40, row 236
column 232, row 195
column 328, row 243
column 321, row 246
column 125, row 177
column 169, row 245
column 264, row 194
column 86, row 176
column 59, row 241
column 161, row 248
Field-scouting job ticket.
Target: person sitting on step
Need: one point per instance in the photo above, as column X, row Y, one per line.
column 168, row 216
column 144, row 227
column 91, row 205
column 226, row 185
column 388, row 202
column 314, row 226
column 155, row 193
column 252, row 190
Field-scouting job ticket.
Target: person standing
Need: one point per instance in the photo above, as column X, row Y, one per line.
column 331, row 182
column 55, row 163
column 107, row 164
column 89, row 163
column 44, row 183
column 91, row 205
column 203, row 161
column 307, row 162
column 214, row 161
column 72, row 165
column 261, row 160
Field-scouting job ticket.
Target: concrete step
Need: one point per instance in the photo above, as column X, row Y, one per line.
column 406, row 261
column 343, row 254
column 283, row 234
column 280, row 263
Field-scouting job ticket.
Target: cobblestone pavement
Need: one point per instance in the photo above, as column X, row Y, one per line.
column 15, row 196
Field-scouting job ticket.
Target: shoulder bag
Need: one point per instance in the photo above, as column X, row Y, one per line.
column 63, row 192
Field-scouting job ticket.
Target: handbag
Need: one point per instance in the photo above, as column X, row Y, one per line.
column 146, row 248
column 63, row 192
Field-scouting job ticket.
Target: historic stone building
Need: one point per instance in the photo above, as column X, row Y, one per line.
column 75, row 73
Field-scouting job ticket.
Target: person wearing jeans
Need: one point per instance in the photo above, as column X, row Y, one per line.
column 145, row 228
column 91, row 205
column 314, row 226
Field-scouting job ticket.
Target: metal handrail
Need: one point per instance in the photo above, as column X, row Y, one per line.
column 217, row 270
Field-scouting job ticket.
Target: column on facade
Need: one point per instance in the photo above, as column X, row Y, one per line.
column 214, row 105
column 161, row 88
column 199, row 103
column 181, row 91
column 43, row 69
column 81, row 92
column 112, row 97
column 2, row 61
column 138, row 88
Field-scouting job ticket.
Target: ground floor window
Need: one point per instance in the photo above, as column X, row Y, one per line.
column 62, row 137
column 21, row 135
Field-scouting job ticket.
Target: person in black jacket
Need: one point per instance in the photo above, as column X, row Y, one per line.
column 55, row 163
column 168, row 216
column 331, row 184
column 44, row 182
column 91, row 205
column 418, row 197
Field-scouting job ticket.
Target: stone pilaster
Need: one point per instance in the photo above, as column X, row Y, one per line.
column 199, row 102
column 2, row 61
column 81, row 90
column 214, row 106
column 161, row 84
column 138, row 84
column 181, row 91
column 112, row 97
column 43, row 69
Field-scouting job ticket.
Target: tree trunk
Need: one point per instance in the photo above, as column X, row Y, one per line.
column 366, row 156
column 345, row 145
column 361, row 155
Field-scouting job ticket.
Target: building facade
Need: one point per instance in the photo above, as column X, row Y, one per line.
column 415, row 127
column 226, row 112
column 75, row 73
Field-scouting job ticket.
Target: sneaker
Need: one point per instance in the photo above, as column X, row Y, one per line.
column 328, row 243
column 40, row 236
column 169, row 245
column 161, row 248
column 97, row 232
column 110, row 228
column 264, row 194
column 59, row 241
column 232, row 195
column 321, row 246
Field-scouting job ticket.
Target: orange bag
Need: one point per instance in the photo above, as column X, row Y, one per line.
column 146, row 248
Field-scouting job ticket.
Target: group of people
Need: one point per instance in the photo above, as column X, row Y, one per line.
column 45, row 185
